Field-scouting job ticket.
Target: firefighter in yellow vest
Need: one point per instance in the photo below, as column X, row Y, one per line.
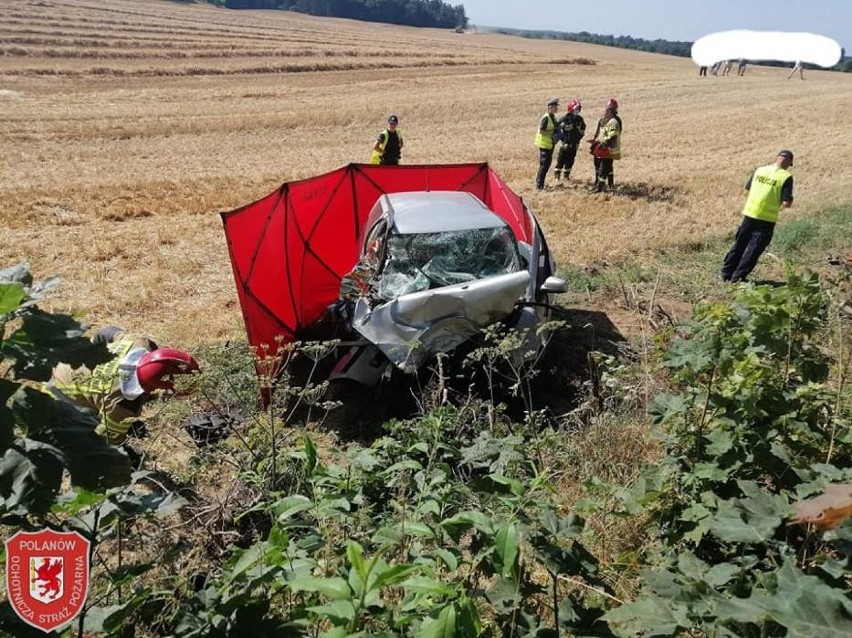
column 387, row 148
column 606, row 146
column 118, row 389
column 545, row 142
column 770, row 188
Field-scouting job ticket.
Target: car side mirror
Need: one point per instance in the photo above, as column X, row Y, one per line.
column 554, row 285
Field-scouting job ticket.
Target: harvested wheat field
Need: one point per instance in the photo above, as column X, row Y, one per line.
column 127, row 126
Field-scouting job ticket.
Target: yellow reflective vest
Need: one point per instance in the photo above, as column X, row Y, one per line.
column 376, row 156
column 545, row 140
column 100, row 390
column 609, row 134
column 764, row 193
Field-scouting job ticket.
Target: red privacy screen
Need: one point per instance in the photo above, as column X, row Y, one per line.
column 290, row 249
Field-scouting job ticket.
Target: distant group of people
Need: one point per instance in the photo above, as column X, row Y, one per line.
column 563, row 136
column 770, row 187
column 724, row 68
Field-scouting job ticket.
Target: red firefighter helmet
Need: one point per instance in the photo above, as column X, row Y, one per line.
column 573, row 105
column 156, row 368
column 612, row 103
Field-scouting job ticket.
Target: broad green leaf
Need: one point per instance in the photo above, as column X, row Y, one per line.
column 416, row 528
column 753, row 519
column 447, row 557
column 310, row 450
column 390, row 575
column 405, row 464
column 426, row 585
column 45, row 339
column 248, row 559
column 420, row 446
column 285, row 508
column 720, row 442
column 334, row 587
column 514, row 485
column 712, row 472
column 506, row 549
column 805, row 605
column 780, row 452
column 79, row 499
column 336, row 610
column 504, row 595
column 7, row 417
column 465, row 520
column 11, row 296
column 355, row 554
column 444, row 626
column 467, row 619
column 30, row 476
column 388, row 536
column 691, row 566
column 721, row 574
column 645, row 617
column 92, row 462
column 695, row 512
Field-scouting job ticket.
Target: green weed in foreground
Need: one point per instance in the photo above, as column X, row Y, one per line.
column 755, row 423
column 455, row 524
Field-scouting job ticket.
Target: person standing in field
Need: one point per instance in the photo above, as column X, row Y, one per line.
column 572, row 128
column 387, row 149
column 702, row 71
column 606, row 146
column 770, row 188
column 544, row 140
column 798, row 67
column 741, row 67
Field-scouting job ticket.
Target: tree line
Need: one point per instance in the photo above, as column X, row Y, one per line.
column 415, row 13
column 438, row 14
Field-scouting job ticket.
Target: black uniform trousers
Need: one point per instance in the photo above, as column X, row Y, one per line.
column 565, row 158
column 545, row 159
column 753, row 236
column 604, row 173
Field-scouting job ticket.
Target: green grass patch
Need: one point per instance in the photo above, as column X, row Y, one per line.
column 690, row 270
column 816, row 236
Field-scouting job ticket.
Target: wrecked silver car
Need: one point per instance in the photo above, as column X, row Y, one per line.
column 435, row 269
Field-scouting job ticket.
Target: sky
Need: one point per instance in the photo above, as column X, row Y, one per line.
column 667, row 19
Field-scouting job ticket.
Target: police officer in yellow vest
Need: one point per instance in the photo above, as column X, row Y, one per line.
column 770, row 189
column 544, row 141
column 387, row 148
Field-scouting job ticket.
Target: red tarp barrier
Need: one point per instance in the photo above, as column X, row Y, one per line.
column 290, row 249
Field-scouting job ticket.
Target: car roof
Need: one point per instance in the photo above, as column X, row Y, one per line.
column 438, row 211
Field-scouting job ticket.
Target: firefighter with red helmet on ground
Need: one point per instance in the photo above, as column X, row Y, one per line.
column 606, row 146
column 118, row 389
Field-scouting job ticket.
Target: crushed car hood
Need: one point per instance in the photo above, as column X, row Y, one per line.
column 413, row 327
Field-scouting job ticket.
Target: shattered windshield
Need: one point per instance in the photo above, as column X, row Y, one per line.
column 432, row 260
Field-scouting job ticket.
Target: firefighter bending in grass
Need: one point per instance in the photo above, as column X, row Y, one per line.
column 118, row 389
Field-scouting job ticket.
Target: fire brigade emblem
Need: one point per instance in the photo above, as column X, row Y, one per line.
column 47, row 576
